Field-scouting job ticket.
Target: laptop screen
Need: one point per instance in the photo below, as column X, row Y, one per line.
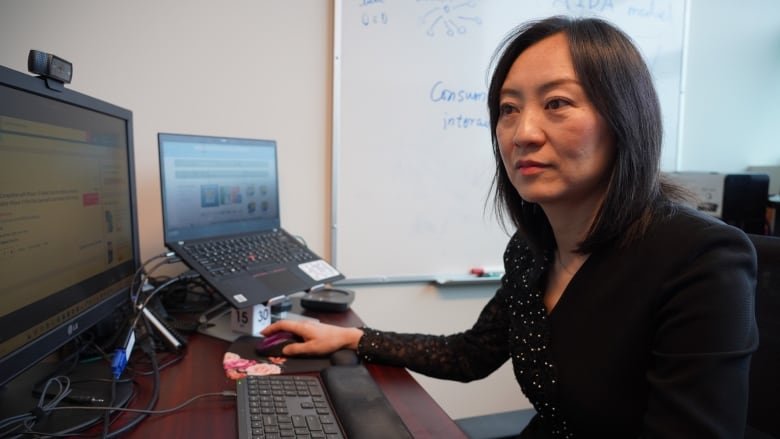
column 217, row 186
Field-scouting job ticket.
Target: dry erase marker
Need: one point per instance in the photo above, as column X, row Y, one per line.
column 486, row 272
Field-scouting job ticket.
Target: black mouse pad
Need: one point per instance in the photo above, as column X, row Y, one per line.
column 244, row 347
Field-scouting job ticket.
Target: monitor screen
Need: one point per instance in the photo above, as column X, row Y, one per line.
column 68, row 242
column 216, row 185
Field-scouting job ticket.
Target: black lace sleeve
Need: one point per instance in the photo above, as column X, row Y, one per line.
column 464, row 356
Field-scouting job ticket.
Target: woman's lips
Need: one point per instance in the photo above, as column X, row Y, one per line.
column 530, row 167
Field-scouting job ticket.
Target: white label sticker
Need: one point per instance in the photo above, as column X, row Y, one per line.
column 318, row 269
column 239, row 298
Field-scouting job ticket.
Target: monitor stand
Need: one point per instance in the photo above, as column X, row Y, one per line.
column 218, row 326
column 89, row 381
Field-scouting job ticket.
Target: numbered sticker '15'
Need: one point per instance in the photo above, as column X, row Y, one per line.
column 250, row 320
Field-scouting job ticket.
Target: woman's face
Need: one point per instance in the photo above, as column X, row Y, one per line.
column 555, row 146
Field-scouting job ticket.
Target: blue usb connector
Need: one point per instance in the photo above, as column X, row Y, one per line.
column 122, row 355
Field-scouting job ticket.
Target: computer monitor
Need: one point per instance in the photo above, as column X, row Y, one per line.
column 68, row 229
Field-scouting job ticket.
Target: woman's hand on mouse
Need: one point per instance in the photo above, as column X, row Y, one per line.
column 318, row 338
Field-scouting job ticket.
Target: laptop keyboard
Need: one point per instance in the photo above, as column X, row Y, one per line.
column 279, row 406
column 234, row 255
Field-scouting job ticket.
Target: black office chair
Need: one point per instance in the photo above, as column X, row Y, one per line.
column 764, row 400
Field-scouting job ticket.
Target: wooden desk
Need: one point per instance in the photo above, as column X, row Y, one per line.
column 200, row 371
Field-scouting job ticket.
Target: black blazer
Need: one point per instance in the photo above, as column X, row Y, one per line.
column 655, row 340
column 652, row 340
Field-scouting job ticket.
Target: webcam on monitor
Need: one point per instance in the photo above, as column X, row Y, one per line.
column 50, row 67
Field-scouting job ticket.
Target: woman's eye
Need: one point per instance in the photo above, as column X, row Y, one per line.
column 506, row 109
column 555, row 104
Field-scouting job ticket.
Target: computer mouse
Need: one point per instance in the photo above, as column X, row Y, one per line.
column 272, row 345
column 344, row 357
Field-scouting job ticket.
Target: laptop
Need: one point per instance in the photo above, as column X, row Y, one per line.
column 220, row 200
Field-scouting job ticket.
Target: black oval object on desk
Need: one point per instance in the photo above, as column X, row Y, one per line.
column 328, row 299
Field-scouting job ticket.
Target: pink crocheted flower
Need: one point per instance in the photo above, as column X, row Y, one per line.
column 264, row 369
column 237, row 367
column 233, row 361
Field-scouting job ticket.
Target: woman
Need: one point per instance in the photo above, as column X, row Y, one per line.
column 624, row 314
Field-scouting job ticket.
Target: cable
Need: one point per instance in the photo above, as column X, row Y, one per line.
column 69, row 362
column 139, row 271
column 107, row 413
column 168, row 362
column 224, row 393
column 301, row 240
column 192, row 297
column 28, row 420
column 122, row 353
column 186, row 276
column 148, row 348
column 146, row 412
column 143, row 274
column 42, row 409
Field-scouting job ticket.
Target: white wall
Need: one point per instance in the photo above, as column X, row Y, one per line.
column 732, row 90
column 243, row 68
column 262, row 68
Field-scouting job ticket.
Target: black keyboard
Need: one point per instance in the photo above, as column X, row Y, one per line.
column 347, row 403
column 233, row 255
column 278, row 406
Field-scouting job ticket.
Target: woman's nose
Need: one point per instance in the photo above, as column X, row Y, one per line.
column 528, row 130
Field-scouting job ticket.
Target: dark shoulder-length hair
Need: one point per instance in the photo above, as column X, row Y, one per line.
column 618, row 83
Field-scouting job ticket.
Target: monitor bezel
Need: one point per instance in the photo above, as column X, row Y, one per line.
column 31, row 353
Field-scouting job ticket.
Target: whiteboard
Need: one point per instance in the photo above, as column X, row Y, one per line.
column 412, row 159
